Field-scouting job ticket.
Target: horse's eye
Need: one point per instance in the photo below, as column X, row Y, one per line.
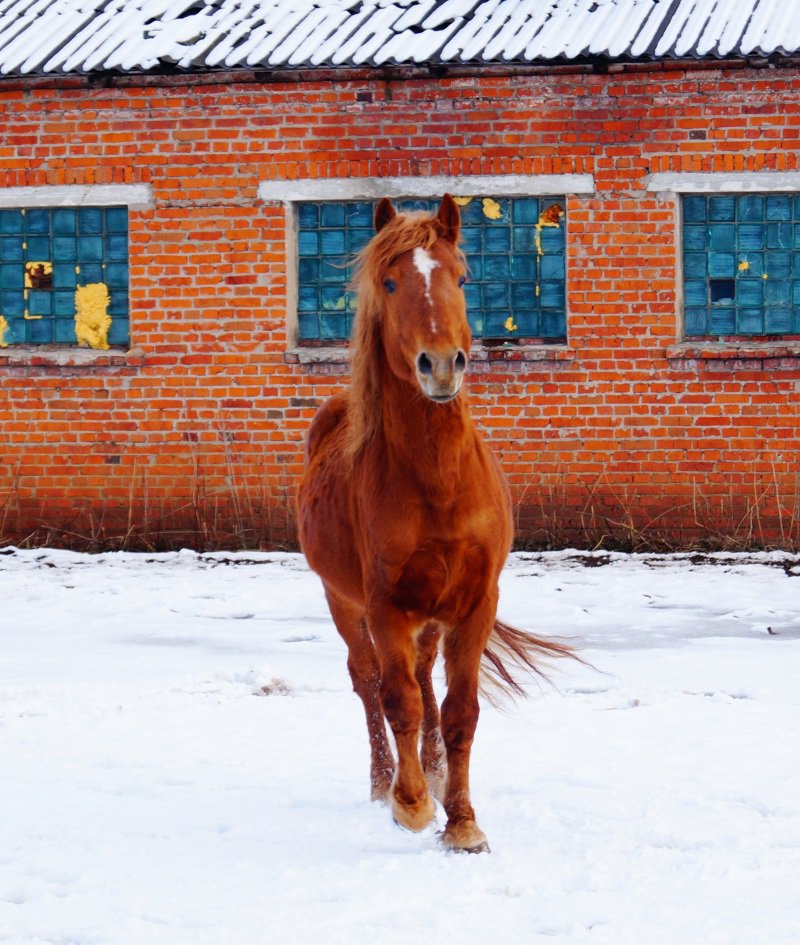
column 389, row 285
column 462, row 280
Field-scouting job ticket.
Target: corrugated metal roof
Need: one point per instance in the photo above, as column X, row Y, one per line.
column 85, row 36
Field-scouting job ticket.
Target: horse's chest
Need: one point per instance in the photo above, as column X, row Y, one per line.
column 443, row 580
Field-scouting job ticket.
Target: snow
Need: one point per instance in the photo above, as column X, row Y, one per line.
column 184, row 762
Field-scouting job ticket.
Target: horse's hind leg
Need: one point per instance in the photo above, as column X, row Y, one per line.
column 365, row 675
column 434, row 763
column 463, row 649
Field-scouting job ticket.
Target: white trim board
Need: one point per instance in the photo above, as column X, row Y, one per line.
column 373, row 188
column 134, row 196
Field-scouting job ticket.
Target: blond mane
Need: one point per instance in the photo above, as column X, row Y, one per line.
column 406, row 231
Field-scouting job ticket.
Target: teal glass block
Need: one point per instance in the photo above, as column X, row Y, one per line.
column 523, row 239
column 39, row 331
column 722, row 209
column 118, row 303
column 332, row 242
column 308, row 269
column 308, row 299
column 527, row 322
column 64, row 276
column 694, row 265
column 780, row 265
column 496, row 267
column 333, row 325
column 12, row 304
column 15, row 332
column 751, row 208
column 332, row 298
column 11, row 249
column 553, row 323
column 494, row 324
column 472, row 296
column 12, row 277
column 778, row 321
column 64, row 331
column 475, row 268
column 37, row 222
column 552, row 267
column 796, row 236
column 523, row 268
column 116, row 220
column 90, row 221
column 777, row 292
column 90, row 273
column 332, row 214
column 779, row 207
column 117, row 274
column 525, row 210
column 551, row 295
column 752, row 236
column 116, row 247
column 754, row 268
column 721, row 237
column 779, row 236
column 496, row 239
column 65, row 248
column 471, row 241
column 472, row 213
column 475, row 320
column 308, row 243
column 523, row 295
column 695, row 238
column 695, row 293
column 64, row 303
column 333, row 269
column 495, row 295
column 11, row 221
column 90, row 248
column 119, row 332
column 307, row 327
column 357, row 239
column 750, row 321
column 552, row 239
column 722, row 321
column 39, row 249
column 40, row 303
column 694, row 209
column 696, row 321
column 65, row 222
column 750, row 292
column 721, row 265
column 360, row 214
column 308, row 216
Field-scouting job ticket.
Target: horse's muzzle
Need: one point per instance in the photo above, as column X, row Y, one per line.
column 440, row 375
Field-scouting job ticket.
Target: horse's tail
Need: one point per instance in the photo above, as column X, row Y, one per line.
column 523, row 651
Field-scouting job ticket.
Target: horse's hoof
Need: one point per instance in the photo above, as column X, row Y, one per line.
column 415, row 816
column 465, row 837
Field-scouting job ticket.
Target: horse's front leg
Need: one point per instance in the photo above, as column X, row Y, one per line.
column 393, row 634
column 434, row 763
column 463, row 649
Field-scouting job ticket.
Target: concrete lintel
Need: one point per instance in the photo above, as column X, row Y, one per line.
column 134, row 196
column 731, row 183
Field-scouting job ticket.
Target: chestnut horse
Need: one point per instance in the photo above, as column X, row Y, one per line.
column 405, row 515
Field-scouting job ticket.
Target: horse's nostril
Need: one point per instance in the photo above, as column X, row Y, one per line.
column 461, row 361
column 424, row 365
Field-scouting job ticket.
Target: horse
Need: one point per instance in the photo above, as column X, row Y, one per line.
column 405, row 514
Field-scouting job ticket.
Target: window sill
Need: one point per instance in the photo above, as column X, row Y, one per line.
column 735, row 351
column 481, row 354
column 52, row 356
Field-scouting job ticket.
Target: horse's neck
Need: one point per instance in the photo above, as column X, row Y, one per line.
column 430, row 440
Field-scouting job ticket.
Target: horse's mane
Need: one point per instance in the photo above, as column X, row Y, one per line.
column 404, row 232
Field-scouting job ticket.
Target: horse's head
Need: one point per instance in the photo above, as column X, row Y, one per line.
column 426, row 336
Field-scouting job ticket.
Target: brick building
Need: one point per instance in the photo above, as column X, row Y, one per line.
column 181, row 185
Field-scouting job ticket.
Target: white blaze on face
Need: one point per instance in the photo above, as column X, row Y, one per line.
column 425, row 264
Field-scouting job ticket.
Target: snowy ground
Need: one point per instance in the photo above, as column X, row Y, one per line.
column 153, row 794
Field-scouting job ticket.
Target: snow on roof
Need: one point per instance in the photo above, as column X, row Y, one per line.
column 84, row 36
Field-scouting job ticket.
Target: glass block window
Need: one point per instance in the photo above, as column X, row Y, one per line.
column 64, row 276
column 741, row 264
column 515, row 250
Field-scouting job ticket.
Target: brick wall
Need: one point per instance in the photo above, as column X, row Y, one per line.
column 196, row 433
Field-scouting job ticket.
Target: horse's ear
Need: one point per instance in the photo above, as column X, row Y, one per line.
column 384, row 213
column 449, row 218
